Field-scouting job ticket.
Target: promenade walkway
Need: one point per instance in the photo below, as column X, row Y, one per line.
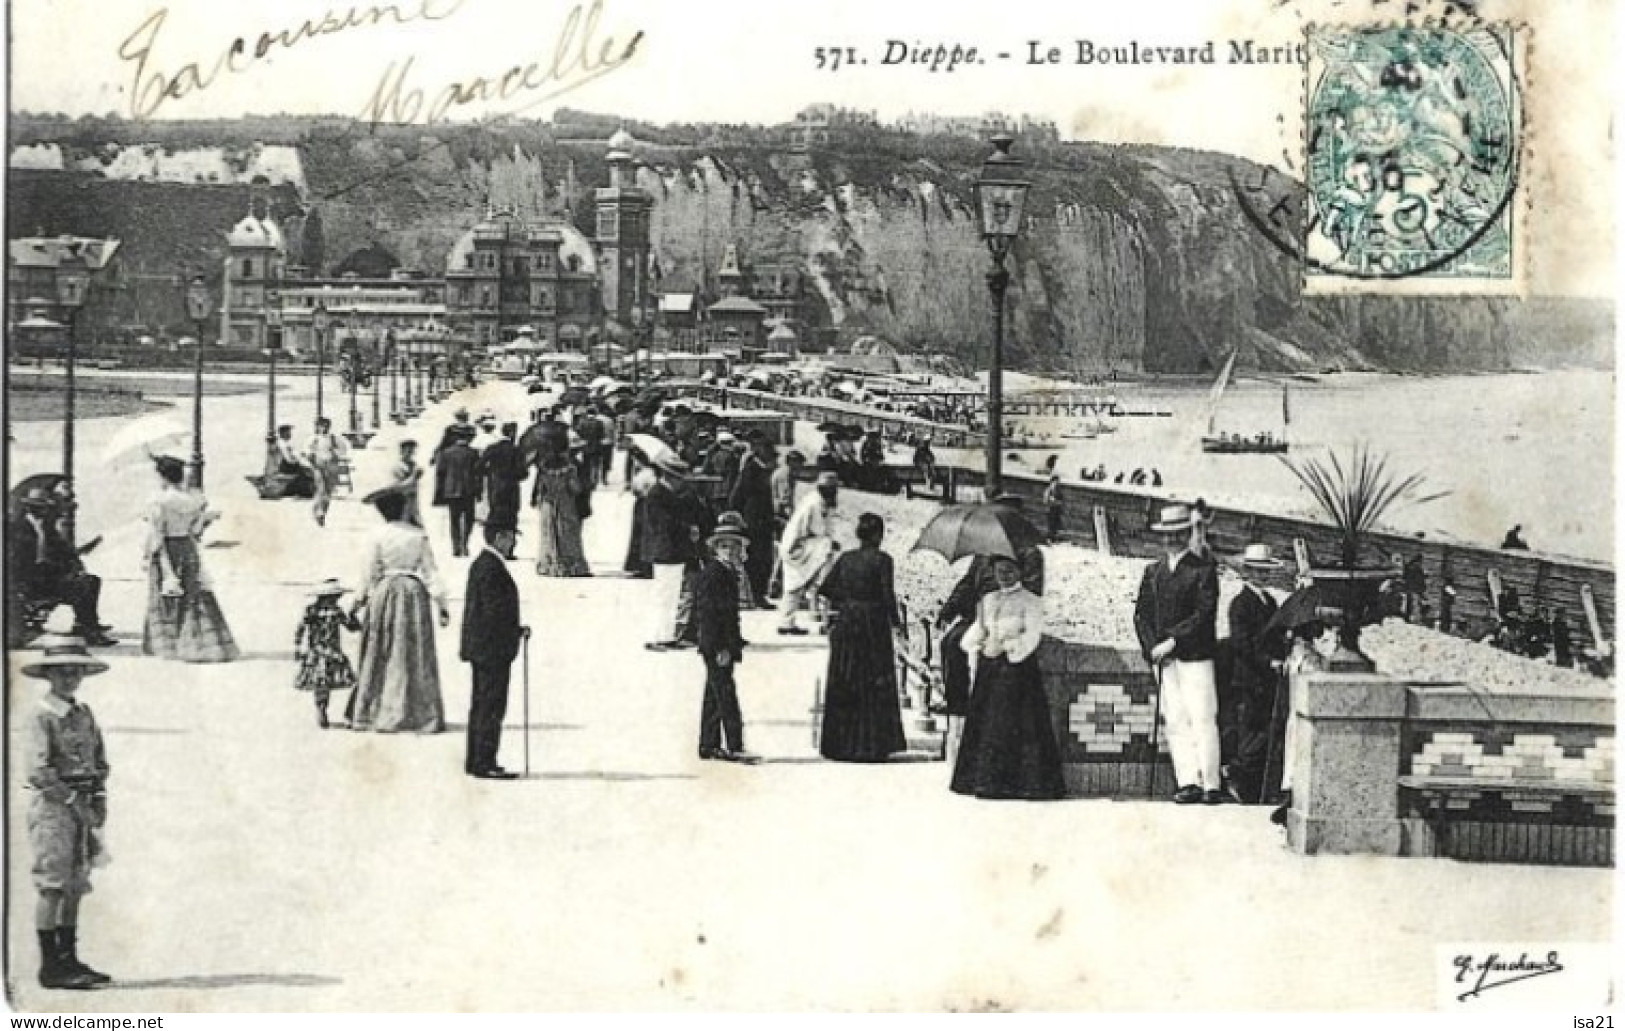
column 259, row 863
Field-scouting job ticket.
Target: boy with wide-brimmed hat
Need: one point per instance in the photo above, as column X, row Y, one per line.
column 721, row 646
column 67, row 776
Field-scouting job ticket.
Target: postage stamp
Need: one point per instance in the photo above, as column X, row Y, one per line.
column 1413, row 146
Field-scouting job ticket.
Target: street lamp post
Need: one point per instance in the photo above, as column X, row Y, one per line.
column 198, row 306
column 72, row 282
column 273, row 351
column 393, row 357
column 319, row 321
column 1001, row 197
column 376, row 372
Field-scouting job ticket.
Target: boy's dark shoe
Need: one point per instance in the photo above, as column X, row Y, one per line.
column 54, row 971
column 68, row 946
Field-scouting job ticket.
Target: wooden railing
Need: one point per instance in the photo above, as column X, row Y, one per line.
column 1126, row 514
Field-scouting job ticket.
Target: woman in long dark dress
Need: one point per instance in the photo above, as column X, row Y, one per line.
column 1009, row 748
column 862, row 722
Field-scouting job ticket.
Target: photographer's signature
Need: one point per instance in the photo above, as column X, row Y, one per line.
column 1498, row 971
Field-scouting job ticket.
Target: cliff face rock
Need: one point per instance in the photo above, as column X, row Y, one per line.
column 1135, row 258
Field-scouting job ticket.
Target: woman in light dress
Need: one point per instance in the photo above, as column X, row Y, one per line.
column 183, row 619
column 398, row 683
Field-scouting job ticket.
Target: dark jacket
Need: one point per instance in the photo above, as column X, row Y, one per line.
column 1182, row 604
column 29, row 561
column 752, row 496
column 456, row 475
column 716, row 611
column 490, row 613
column 1250, row 652
column 979, row 581
column 502, row 470
column 674, row 521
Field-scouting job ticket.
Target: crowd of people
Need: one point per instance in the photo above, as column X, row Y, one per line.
column 717, row 528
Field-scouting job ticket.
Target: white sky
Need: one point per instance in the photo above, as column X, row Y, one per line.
column 752, row 61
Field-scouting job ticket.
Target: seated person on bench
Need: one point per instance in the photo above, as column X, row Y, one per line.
column 47, row 570
column 289, row 475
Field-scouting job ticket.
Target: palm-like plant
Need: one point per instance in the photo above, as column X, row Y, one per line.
column 1356, row 495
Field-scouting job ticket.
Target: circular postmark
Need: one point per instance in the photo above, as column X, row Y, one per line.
column 1411, row 153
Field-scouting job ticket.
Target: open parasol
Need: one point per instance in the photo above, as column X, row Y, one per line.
column 960, row 530
column 1305, row 605
column 149, row 435
column 655, row 451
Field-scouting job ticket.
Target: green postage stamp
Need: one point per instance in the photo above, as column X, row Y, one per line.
column 1413, row 149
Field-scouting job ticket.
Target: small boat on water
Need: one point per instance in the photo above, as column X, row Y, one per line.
column 1215, row 443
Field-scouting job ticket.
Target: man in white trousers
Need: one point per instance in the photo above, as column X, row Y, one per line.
column 1174, row 618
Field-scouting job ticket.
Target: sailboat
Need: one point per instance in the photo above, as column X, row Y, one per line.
column 1235, row 443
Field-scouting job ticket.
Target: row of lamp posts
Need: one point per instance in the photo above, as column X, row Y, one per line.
column 1001, row 195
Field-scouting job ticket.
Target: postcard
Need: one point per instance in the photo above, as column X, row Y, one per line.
column 609, row 505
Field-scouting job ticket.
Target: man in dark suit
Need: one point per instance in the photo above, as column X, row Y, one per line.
column 502, row 475
column 1247, row 693
column 959, row 611
column 46, row 567
column 1174, row 619
column 491, row 636
column 716, row 618
column 675, row 521
column 457, row 485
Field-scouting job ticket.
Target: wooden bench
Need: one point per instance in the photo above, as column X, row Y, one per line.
column 1544, row 843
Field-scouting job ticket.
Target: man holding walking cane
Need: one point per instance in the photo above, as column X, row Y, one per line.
column 1174, row 618
column 490, row 642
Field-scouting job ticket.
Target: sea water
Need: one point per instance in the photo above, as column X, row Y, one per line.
column 1529, row 449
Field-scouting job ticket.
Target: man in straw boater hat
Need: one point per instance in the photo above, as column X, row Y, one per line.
column 1248, row 686
column 1174, row 618
column 67, row 775
column 716, row 620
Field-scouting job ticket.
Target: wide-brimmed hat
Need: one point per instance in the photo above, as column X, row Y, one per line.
column 1256, row 556
column 63, row 652
column 827, row 479
column 724, row 437
column 462, row 431
column 725, row 533
column 1173, row 519
column 37, row 497
column 329, row 588
column 398, row 490
column 487, row 416
column 460, row 413
column 795, row 458
column 731, row 521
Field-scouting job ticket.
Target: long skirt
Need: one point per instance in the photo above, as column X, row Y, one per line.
column 398, row 686
column 634, row 546
column 1008, row 749
column 559, row 550
column 189, row 627
column 862, row 721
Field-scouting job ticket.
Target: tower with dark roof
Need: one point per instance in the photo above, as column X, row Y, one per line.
column 622, row 241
